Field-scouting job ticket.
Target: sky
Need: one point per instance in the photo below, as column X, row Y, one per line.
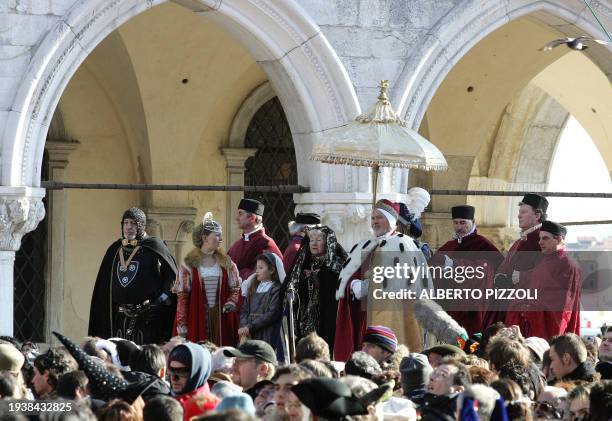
column 578, row 166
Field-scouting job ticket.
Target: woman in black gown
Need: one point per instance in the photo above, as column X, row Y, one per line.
column 314, row 275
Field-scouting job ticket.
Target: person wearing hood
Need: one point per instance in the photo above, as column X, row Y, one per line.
column 261, row 311
column 297, row 230
column 136, row 388
column 314, row 276
column 131, row 297
column 189, row 366
column 415, row 371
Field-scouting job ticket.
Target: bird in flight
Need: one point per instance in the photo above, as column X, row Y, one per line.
column 578, row 44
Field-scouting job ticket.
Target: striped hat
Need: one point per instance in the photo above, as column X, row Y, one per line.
column 381, row 336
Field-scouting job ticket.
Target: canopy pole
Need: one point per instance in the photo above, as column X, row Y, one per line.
column 375, row 170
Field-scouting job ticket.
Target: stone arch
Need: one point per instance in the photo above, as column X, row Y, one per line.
column 462, row 28
column 522, row 155
column 260, row 95
column 314, row 88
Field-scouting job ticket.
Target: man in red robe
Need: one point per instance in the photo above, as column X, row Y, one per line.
column 468, row 249
column 253, row 241
column 355, row 290
column 525, row 252
column 297, row 229
column 352, row 316
column 557, row 279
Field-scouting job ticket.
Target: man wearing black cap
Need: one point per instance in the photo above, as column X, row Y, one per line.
column 254, row 240
column 556, row 277
column 254, row 361
column 297, row 229
column 468, row 249
column 132, row 297
column 523, row 254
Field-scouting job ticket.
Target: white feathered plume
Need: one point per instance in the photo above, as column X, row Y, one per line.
column 418, row 199
column 208, row 217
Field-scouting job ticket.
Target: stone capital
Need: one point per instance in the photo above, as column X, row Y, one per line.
column 236, row 157
column 59, row 150
column 21, row 209
column 172, row 225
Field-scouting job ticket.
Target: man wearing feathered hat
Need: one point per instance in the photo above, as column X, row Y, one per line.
column 132, row 297
column 254, row 240
column 358, row 282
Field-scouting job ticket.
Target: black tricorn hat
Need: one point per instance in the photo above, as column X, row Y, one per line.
column 553, row 228
column 536, row 201
column 103, row 384
column 333, row 400
column 308, row 218
column 463, row 212
column 252, row 206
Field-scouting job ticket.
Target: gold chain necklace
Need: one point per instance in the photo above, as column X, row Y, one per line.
column 124, row 264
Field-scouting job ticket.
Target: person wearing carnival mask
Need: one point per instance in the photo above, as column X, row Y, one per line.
column 208, row 289
column 254, row 240
column 132, row 297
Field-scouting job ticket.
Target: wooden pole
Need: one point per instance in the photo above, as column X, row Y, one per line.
column 375, row 170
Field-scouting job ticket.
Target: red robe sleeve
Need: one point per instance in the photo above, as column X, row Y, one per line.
column 474, row 251
column 291, row 252
column 557, row 309
column 351, row 323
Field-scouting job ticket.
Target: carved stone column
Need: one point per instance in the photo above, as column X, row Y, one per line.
column 235, row 159
column 59, row 151
column 173, row 225
column 21, row 209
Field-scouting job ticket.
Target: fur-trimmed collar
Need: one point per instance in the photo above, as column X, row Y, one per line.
column 193, row 259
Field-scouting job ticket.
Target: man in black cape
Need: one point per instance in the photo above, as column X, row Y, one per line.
column 132, row 297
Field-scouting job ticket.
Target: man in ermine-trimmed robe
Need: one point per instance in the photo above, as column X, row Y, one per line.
column 254, row 240
column 468, row 249
column 386, row 249
column 556, row 277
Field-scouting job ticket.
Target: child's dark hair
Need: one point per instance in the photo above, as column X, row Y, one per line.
column 268, row 259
